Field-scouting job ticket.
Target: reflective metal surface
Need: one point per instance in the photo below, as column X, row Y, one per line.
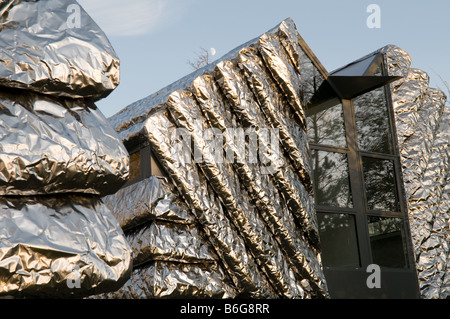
column 257, row 220
column 51, row 145
column 208, row 210
column 60, row 246
column 58, row 155
column 422, row 120
column 54, row 47
column 153, row 198
column 167, row 280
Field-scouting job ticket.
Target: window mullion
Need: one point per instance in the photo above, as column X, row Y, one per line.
column 357, row 182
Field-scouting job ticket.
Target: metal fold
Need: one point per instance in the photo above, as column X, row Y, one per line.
column 256, row 216
column 165, row 280
column 60, row 246
column 52, row 145
column 422, row 121
column 228, row 244
column 297, row 187
column 260, row 187
column 235, row 199
column 58, row 154
column 53, row 47
column 153, row 198
column 169, row 242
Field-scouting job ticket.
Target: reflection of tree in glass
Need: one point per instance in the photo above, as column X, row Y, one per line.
column 310, row 78
column 326, row 127
column 331, row 179
column 383, row 225
column 380, row 184
column 372, row 122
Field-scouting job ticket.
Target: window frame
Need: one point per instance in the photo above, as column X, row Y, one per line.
column 149, row 165
column 360, row 209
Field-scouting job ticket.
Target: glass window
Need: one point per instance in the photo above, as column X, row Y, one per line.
column 331, row 179
column 386, row 240
column 338, row 240
column 326, row 124
column 379, row 179
column 135, row 165
column 357, row 68
column 372, row 121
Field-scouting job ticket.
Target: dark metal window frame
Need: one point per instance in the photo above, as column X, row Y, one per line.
column 360, row 210
column 146, row 156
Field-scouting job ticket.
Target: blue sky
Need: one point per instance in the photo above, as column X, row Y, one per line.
column 154, row 39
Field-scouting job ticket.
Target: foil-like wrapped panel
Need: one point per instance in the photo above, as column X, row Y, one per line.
column 235, row 199
column 284, row 73
column 150, row 199
column 51, row 145
column 167, row 280
column 259, row 185
column 258, row 218
column 230, row 247
column 169, row 242
column 54, row 47
column 296, row 186
column 58, row 154
column 60, row 246
column 422, row 119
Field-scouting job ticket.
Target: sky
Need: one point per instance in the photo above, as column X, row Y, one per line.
column 155, row 39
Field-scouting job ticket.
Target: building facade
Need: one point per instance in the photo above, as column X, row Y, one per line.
column 261, row 175
column 343, row 196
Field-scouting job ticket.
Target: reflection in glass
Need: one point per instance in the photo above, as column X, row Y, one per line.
column 386, row 240
column 357, row 68
column 338, row 240
column 372, row 121
column 310, row 76
column 380, row 184
column 331, row 179
column 326, row 124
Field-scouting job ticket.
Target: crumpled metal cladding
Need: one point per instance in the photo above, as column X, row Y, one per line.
column 235, row 199
column 153, row 198
column 42, row 51
column 169, row 242
column 207, row 209
column 292, row 184
column 58, row 155
column 261, row 228
column 46, row 242
column 51, row 145
column 260, row 187
column 421, row 117
column 167, row 280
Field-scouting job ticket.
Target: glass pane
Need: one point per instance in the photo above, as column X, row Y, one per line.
column 326, row 124
column 372, row 121
column 135, row 165
column 331, row 179
column 310, row 78
column 338, row 240
column 379, row 178
column 357, row 68
column 386, row 239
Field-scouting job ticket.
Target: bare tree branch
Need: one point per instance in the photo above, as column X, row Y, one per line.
column 202, row 59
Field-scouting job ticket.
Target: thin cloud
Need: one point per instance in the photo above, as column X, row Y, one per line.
column 129, row 18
